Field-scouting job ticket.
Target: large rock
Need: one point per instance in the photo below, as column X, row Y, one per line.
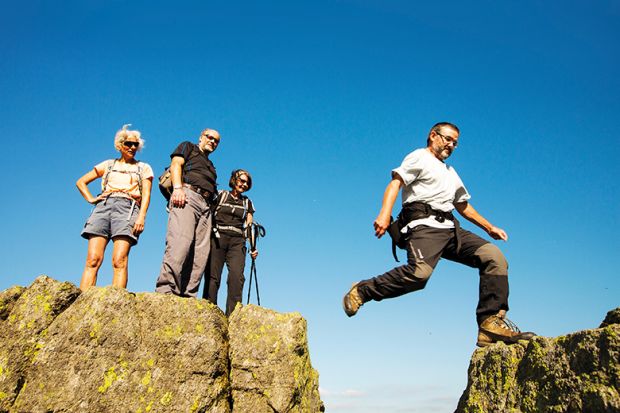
column 578, row 372
column 113, row 351
column 109, row 350
column 26, row 315
column 270, row 363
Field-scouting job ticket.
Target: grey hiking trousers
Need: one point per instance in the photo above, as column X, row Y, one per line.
column 425, row 247
column 188, row 241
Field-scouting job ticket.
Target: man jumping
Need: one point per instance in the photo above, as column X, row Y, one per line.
column 431, row 191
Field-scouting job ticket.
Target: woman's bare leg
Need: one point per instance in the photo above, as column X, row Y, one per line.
column 120, row 259
column 94, row 258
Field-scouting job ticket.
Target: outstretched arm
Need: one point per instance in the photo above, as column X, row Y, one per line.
column 468, row 211
column 382, row 222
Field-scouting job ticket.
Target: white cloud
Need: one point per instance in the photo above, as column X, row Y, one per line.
column 346, row 393
column 353, row 393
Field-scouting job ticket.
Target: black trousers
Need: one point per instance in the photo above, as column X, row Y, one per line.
column 229, row 249
column 425, row 247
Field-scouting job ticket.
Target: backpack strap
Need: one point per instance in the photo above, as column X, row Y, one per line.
column 394, row 232
column 140, row 177
column 187, row 166
column 109, row 167
column 246, row 202
column 222, row 197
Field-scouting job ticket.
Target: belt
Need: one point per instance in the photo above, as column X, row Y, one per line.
column 125, row 195
column 229, row 228
column 202, row 192
column 417, row 210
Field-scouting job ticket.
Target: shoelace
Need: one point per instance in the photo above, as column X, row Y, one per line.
column 355, row 299
column 509, row 325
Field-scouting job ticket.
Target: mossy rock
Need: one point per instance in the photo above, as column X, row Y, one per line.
column 579, row 372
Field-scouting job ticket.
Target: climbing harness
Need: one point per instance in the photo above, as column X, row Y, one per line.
column 417, row 210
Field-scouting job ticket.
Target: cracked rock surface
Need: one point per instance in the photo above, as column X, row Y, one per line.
column 109, row 350
column 270, row 363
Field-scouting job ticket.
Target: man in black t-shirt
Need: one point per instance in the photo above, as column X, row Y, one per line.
column 189, row 222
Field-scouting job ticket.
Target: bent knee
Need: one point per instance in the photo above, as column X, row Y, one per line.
column 492, row 260
column 419, row 270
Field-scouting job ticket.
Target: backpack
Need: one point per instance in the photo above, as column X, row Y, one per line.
column 165, row 184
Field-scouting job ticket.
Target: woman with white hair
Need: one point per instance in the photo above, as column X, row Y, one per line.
column 120, row 209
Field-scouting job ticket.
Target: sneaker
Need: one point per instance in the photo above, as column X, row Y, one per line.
column 352, row 301
column 498, row 328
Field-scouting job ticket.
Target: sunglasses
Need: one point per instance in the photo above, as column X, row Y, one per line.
column 130, row 144
column 212, row 139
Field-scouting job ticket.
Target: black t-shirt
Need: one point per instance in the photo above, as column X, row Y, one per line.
column 231, row 211
column 198, row 170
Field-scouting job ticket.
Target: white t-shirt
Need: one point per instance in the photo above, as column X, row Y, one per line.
column 429, row 180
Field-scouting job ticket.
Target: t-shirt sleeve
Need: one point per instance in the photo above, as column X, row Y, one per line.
column 251, row 209
column 147, row 171
column 409, row 169
column 461, row 194
column 183, row 150
column 101, row 167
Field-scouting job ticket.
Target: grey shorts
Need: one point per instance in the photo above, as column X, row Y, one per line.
column 112, row 218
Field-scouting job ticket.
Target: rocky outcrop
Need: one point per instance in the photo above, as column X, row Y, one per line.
column 109, row 350
column 579, row 372
column 26, row 316
column 270, row 363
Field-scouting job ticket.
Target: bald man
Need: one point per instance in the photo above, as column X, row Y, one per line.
column 188, row 237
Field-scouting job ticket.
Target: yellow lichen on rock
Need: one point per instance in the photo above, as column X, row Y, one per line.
column 166, row 399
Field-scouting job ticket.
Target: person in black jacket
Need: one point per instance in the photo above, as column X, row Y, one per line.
column 233, row 215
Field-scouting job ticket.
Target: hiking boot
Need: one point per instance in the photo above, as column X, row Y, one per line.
column 499, row 328
column 352, row 301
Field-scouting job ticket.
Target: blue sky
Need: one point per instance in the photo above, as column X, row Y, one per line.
column 320, row 100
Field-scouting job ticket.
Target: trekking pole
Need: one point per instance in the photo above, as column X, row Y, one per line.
column 255, row 231
column 253, row 272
